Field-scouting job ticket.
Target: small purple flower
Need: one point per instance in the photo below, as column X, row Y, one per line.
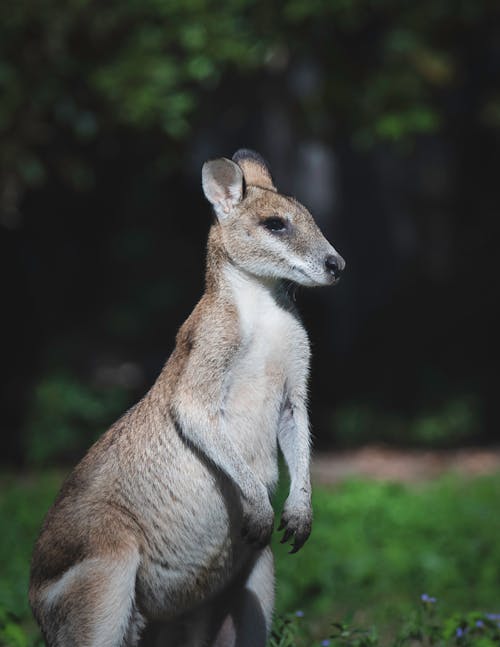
column 427, row 598
column 325, row 643
column 459, row 633
column 493, row 616
column 299, row 614
column 479, row 623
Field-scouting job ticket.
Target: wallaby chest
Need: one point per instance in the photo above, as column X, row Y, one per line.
column 273, row 354
column 271, row 336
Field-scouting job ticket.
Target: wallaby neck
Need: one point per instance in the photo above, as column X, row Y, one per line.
column 224, row 276
column 217, row 258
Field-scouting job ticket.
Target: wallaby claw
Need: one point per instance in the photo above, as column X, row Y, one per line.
column 297, row 524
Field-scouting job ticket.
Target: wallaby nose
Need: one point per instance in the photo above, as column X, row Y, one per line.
column 335, row 265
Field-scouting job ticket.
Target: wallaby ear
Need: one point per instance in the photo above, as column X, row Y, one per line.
column 255, row 169
column 222, row 182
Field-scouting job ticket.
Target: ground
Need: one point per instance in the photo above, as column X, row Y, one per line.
column 405, row 466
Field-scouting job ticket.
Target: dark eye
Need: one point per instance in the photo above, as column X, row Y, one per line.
column 274, row 223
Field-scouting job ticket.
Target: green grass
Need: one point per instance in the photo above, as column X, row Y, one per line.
column 23, row 504
column 375, row 548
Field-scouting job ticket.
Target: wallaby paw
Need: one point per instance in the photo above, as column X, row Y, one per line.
column 297, row 523
column 258, row 525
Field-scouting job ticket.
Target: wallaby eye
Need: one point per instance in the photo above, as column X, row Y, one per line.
column 274, row 223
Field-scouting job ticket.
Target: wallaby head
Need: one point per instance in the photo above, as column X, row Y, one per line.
column 263, row 232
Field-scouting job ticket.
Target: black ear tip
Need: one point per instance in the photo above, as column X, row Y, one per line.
column 248, row 154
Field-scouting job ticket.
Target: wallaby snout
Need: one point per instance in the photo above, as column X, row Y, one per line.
column 323, row 265
column 335, row 264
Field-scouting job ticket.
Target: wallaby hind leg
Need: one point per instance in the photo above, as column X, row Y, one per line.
column 191, row 630
column 248, row 618
column 240, row 617
column 91, row 604
column 163, row 634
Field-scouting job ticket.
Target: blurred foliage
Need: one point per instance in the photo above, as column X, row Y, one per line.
column 375, row 548
column 457, row 421
column 81, row 69
column 72, row 71
column 107, row 107
column 66, row 415
column 425, row 627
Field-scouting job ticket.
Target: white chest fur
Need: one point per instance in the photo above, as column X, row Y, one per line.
column 273, row 356
column 270, row 334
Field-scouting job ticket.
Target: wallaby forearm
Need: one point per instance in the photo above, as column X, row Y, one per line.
column 198, row 401
column 208, row 435
column 294, row 442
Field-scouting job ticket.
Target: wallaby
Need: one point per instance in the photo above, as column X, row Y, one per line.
column 167, row 519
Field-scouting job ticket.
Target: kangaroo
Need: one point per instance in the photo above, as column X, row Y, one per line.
column 166, row 521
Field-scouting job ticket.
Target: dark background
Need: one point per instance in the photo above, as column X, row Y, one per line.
column 382, row 118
